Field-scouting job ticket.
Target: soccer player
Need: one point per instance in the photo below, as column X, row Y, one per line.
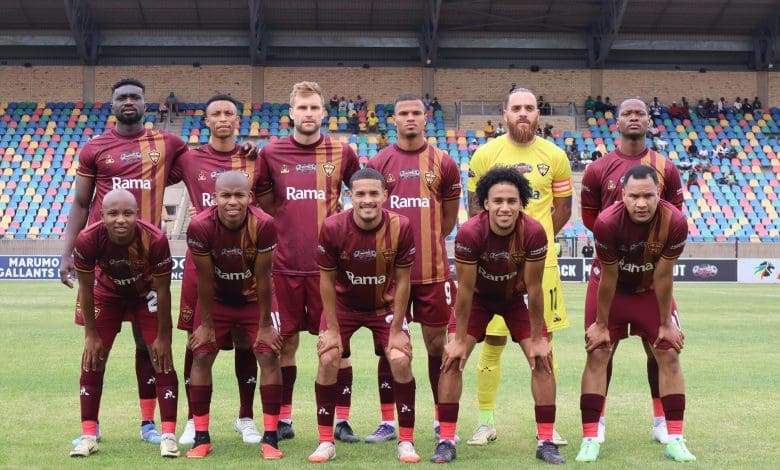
column 499, row 259
column 602, row 186
column 423, row 184
column 638, row 242
column 305, row 174
column 547, row 169
column 365, row 256
column 138, row 160
column 199, row 169
column 232, row 246
column 133, row 280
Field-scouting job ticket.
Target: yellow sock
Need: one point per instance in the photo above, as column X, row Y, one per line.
column 488, row 375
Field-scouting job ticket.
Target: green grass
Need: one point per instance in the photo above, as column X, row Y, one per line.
column 731, row 361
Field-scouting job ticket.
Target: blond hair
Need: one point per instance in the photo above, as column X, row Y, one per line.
column 306, row 89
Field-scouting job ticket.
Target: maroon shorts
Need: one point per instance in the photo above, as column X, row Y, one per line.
column 79, row 320
column 299, row 302
column 349, row 323
column 189, row 294
column 110, row 312
column 515, row 315
column 432, row 304
column 238, row 319
column 637, row 311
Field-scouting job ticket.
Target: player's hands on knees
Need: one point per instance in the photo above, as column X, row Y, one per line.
column 270, row 337
column 455, row 353
column 597, row 335
column 202, row 336
column 329, row 339
column 67, row 271
column 400, row 342
column 94, row 353
column 672, row 335
column 540, row 354
column 161, row 355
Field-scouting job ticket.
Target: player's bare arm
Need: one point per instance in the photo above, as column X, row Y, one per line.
column 330, row 338
column 77, row 219
column 538, row 351
column 475, row 207
column 266, row 333
column 456, row 352
column 204, row 334
column 94, row 354
column 597, row 334
column 160, row 349
column 266, row 202
column 398, row 339
column 561, row 212
column 449, row 215
column 662, row 285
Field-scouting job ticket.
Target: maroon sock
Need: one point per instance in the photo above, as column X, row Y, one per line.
column 591, row 405
column 448, row 412
column 344, row 383
column 434, row 372
column 246, row 375
column 271, row 398
column 404, row 403
column 91, row 391
column 652, row 377
column 144, row 374
column 187, row 372
column 326, row 403
column 167, row 389
column 289, row 374
column 200, row 399
column 545, row 413
column 674, row 406
column 385, row 381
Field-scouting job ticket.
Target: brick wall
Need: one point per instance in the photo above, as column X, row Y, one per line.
column 774, row 89
column 40, row 83
column 672, row 85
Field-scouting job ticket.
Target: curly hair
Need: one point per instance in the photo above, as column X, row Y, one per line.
column 504, row 174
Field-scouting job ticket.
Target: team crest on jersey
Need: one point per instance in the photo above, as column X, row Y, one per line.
column 201, row 175
column 329, row 168
column 523, row 168
column 543, row 168
column 97, row 312
column 154, row 156
column 518, row 256
column 109, row 160
column 365, row 254
column 389, row 178
column 611, row 185
column 186, row 314
column 430, row 177
column 344, row 255
column 655, row 248
column 284, row 170
column 306, row 168
column 389, row 255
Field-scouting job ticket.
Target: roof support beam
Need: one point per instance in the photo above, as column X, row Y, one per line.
column 604, row 31
column 83, row 29
column 429, row 36
column 765, row 42
column 258, row 33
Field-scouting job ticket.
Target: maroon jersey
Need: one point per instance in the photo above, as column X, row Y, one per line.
column 125, row 270
column 306, row 181
column 418, row 183
column 602, row 183
column 638, row 247
column 500, row 259
column 365, row 260
column 200, row 167
column 141, row 164
column 233, row 252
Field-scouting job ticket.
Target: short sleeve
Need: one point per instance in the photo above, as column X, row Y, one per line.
column 85, row 252
column 266, row 235
column 160, row 256
column 590, row 196
column 477, row 168
column 467, row 246
column 673, row 191
column 327, row 252
column 535, row 241
column 406, row 249
column 451, row 185
column 678, row 233
column 88, row 161
column 604, row 236
column 198, row 239
column 351, row 163
column 264, row 183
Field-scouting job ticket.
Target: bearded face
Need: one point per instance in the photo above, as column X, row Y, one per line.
column 522, row 117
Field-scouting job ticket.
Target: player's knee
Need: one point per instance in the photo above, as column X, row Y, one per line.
column 598, row 359
column 668, row 360
column 398, row 360
column 330, row 359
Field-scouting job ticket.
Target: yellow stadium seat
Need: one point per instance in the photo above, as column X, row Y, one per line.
column 333, row 126
column 199, row 112
column 432, row 140
column 38, row 198
column 255, row 132
column 748, row 116
column 25, row 164
column 755, row 169
column 193, row 139
column 693, row 135
column 149, row 125
column 708, row 128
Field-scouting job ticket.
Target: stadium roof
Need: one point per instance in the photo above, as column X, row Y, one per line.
column 595, row 33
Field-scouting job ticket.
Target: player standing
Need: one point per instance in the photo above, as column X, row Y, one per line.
column 365, row 256
column 638, row 242
column 232, row 246
column 133, row 279
column 199, row 169
column 138, row 160
column 305, row 174
column 423, row 184
column 547, row 169
column 499, row 258
column 602, row 186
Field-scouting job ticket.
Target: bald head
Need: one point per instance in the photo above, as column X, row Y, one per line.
column 632, row 102
column 232, row 179
column 120, row 196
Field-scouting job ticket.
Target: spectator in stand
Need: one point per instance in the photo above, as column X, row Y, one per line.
column 710, row 108
column 599, row 105
column 609, row 106
column 342, row 104
column 547, row 133
column 360, row 103
column 500, row 130
column 722, row 105
column 427, row 102
column 756, row 104
column 354, row 124
column 746, row 106
column 473, row 146
column 435, row 104
column 373, row 122
column 590, row 105
column 382, row 140
column 173, row 103
column 596, row 155
column 700, row 111
column 675, row 110
column 693, row 151
column 334, row 102
column 512, row 88
column 587, row 250
column 350, row 106
column 544, row 107
column 737, row 105
column 489, row 130
column 655, row 108
column 661, row 143
column 163, row 110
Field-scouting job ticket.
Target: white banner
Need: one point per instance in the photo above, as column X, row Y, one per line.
column 759, row 270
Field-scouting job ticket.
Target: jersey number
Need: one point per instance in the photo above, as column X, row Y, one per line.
column 554, row 299
column 448, row 293
column 151, row 301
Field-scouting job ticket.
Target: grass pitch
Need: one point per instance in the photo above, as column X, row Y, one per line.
column 731, row 362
